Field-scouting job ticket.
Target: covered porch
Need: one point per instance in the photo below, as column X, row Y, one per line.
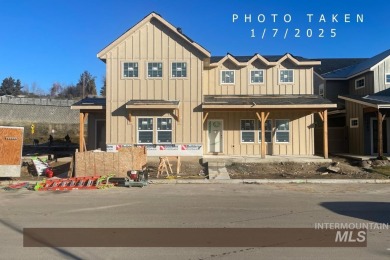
column 285, row 125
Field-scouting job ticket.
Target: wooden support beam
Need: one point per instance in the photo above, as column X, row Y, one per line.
column 129, row 116
column 321, row 114
column 178, row 115
column 205, row 116
column 380, row 134
column 263, row 135
column 325, row 119
column 81, row 138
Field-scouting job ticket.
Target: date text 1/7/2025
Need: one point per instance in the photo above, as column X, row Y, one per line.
column 293, row 33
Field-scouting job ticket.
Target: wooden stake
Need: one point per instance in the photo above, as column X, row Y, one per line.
column 325, row 118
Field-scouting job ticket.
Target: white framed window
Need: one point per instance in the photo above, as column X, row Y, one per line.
column 179, row 70
column 387, row 78
column 130, row 69
column 268, row 131
column 286, row 76
column 247, row 131
column 321, row 90
column 145, row 130
column 155, row 69
column 227, row 76
column 360, row 83
column 164, row 130
column 282, row 132
column 354, row 123
column 256, row 76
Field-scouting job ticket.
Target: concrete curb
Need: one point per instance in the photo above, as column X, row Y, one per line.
column 273, row 181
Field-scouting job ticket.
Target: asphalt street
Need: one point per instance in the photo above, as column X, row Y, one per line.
column 197, row 206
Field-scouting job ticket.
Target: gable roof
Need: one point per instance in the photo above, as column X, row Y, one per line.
column 332, row 64
column 358, row 68
column 145, row 20
column 266, row 59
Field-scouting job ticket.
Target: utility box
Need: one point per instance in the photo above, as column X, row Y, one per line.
column 11, row 145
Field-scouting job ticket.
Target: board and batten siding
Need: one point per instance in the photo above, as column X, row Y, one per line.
column 303, row 80
column 153, row 42
column 355, row 135
column 380, row 72
column 369, row 84
column 301, row 134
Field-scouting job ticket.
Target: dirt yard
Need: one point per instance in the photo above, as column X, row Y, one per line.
column 192, row 169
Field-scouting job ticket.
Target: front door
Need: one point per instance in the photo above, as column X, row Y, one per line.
column 374, row 135
column 215, row 129
column 100, row 134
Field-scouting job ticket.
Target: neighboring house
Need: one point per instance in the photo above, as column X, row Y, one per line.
column 360, row 87
column 168, row 93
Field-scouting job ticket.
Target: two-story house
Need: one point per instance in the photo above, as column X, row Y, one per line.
column 360, row 87
column 166, row 92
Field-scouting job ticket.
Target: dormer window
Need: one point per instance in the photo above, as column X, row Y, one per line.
column 286, row 76
column 360, row 83
column 227, row 77
column 257, row 76
column 154, row 69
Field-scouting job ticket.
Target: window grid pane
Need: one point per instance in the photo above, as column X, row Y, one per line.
column 130, row 69
column 145, row 130
column 257, row 76
column 227, row 77
column 154, row 69
column 164, row 130
column 286, row 76
column 282, row 131
column 179, row 69
column 247, row 131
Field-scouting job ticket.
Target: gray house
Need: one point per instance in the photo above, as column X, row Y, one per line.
column 360, row 87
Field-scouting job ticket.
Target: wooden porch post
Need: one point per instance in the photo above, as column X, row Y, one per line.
column 262, row 117
column 325, row 115
column 380, row 134
column 81, row 138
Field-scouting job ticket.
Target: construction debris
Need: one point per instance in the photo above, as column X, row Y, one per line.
column 78, row 183
column 17, row 186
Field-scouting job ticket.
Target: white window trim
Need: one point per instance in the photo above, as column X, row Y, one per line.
column 350, row 122
column 254, row 131
column 256, row 83
column 164, row 130
column 171, row 70
column 145, row 130
column 276, row 131
column 147, row 70
column 234, row 76
column 356, row 80
column 123, row 70
column 284, row 83
column 270, row 131
column 386, row 75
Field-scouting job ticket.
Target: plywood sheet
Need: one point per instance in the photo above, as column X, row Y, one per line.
column 11, row 142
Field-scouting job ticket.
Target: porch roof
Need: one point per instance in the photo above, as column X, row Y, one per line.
column 152, row 104
column 90, row 104
column 375, row 101
column 266, row 102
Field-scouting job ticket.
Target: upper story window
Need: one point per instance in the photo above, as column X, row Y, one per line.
column 227, row 77
column 286, row 76
column 130, row 69
column 179, row 70
column 387, row 78
column 360, row 83
column 247, row 131
column 354, row 123
column 257, row 76
column 154, row 69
